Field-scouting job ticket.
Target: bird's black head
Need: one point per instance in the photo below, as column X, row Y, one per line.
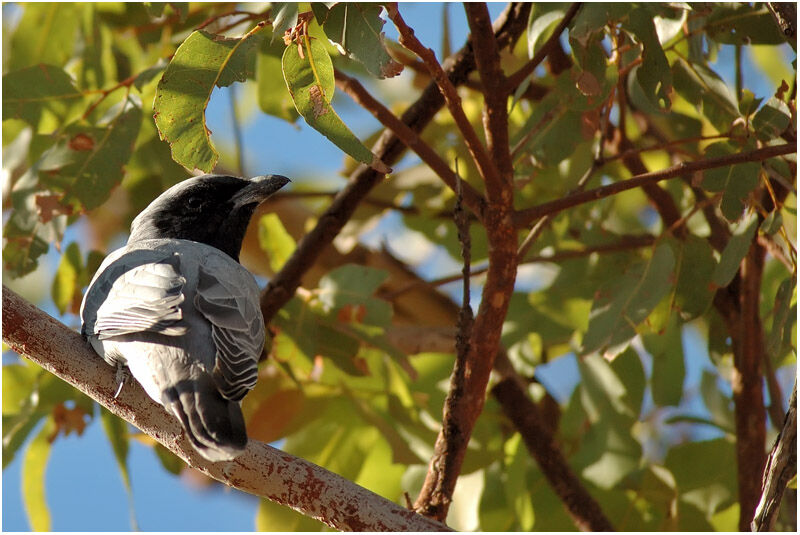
column 210, row 209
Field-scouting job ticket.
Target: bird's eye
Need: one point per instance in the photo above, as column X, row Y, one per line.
column 194, row 203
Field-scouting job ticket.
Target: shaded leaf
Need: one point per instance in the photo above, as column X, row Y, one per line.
column 772, row 119
column 284, row 16
column 781, row 317
column 693, row 291
column 669, row 370
column 654, row 74
column 703, row 474
column 311, row 84
column 735, row 251
column 202, row 62
column 621, row 304
column 352, row 285
column 734, row 181
column 29, row 92
column 742, row 24
column 541, row 23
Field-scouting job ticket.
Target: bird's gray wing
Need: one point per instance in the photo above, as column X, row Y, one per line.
column 227, row 297
column 138, row 292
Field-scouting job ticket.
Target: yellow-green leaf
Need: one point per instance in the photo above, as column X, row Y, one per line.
column 310, row 81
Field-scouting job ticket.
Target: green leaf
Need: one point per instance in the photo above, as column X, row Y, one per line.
column 275, row 241
column 202, row 62
column 772, row 223
column 541, row 23
column 46, row 33
column 734, row 181
column 274, row 517
column 69, row 275
column 703, row 473
column 87, row 162
column 311, row 84
column 284, row 16
column 693, row 291
column 701, row 86
column 624, row 302
column 743, row 24
column 735, row 251
column 273, row 97
column 352, row 285
column 718, row 404
column 117, row 432
column 30, row 92
column 781, row 317
column 669, row 370
column 355, row 28
column 654, row 74
column 34, row 466
column 772, row 119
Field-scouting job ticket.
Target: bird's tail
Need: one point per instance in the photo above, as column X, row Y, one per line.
column 215, row 425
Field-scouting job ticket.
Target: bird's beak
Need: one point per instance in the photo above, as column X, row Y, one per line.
column 259, row 188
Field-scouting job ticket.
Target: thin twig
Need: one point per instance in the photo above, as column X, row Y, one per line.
column 472, row 198
column 523, row 218
column 407, row 38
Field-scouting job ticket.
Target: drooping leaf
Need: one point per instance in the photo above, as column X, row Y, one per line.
column 284, row 17
column 275, row 241
column 311, row 84
column 654, row 74
column 693, row 292
column 622, row 304
column 355, row 28
column 781, row 317
column 743, row 24
column 701, row 86
column 34, row 466
column 541, row 23
column 202, row 62
column 735, row 251
column 348, row 290
column 669, row 370
column 702, row 473
column 30, row 92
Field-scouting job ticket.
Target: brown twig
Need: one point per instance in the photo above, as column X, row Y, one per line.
column 523, row 218
column 261, row 470
column 472, row 198
column 517, row 78
column 407, row 38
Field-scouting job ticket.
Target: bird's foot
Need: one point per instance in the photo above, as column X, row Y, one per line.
column 120, row 377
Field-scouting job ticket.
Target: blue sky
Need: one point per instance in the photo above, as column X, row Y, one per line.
column 84, row 488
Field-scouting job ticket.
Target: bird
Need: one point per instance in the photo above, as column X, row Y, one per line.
column 176, row 309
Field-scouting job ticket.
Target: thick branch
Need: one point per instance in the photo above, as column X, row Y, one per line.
column 523, row 218
column 748, row 384
column 261, row 470
column 388, row 149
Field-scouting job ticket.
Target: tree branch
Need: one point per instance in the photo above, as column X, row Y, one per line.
column 523, row 218
column 282, row 286
column 261, row 470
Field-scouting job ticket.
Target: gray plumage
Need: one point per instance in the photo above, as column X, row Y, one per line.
column 176, row 307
